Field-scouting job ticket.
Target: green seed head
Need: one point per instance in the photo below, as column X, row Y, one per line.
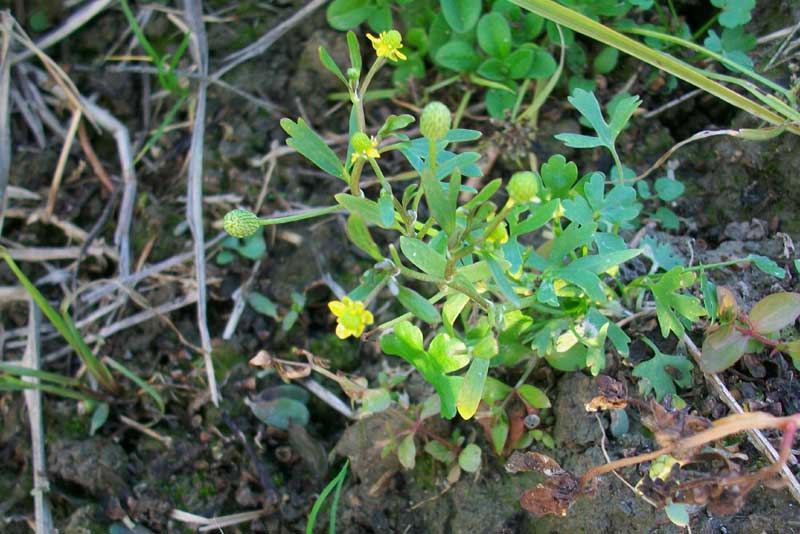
column 435, row 121
column 393, row 39
column 522, row 187
column 241, row 223
column 361, row 142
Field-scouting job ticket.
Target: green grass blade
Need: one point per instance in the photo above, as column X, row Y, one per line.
column 64, row 325
column 147, row 388
column 161, row 127
column 586, row 26
column 336, row 484
column 8, row 383
column 715, row 56
column 19, row 370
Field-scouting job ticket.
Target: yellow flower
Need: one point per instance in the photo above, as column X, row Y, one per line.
column 351, row 317
column 364, row 147
column 388, row 45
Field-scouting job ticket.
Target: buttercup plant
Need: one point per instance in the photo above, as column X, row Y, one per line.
column 491, row 303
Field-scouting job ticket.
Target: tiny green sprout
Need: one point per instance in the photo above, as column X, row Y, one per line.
column 523, row 187
column 434, row 123
column 241, row 223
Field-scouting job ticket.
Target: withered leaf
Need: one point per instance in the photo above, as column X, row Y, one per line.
column 669, row 426
column 533, row 461
column 611, row 395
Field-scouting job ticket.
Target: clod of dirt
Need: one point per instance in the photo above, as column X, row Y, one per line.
column 358, row 443
column 95, row 464
column 574, row 427
column 86, row 520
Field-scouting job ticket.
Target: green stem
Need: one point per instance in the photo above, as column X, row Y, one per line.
column 307, row 214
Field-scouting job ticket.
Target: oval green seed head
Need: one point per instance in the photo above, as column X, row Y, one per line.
column 241, row 223
column 434, row 123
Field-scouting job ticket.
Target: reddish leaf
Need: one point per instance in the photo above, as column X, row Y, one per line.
column 722, row 349
column 774, row 312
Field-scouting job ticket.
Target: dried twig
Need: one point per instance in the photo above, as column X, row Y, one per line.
column 94, row 161
column 33, row 399
column 193, row 10
column 240, row 302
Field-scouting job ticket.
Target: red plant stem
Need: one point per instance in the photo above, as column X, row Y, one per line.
column 724, row 427
column 758, row 337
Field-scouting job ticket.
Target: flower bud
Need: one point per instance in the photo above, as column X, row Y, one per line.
column 435, row 121
column 523, row 187
column 353, row 74
column 241, row 223
column 361, row 142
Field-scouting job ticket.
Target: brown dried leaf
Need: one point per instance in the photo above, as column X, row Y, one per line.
column 671, row 426
column 611, row 395
column 533, row 461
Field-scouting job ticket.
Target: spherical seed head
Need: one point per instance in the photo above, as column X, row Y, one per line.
column 361, row 142
column 240, row 223
column 523, row 187
column 393, row 38
column 435, row 121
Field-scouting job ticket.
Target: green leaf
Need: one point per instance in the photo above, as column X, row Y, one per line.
column 394, row 123
column 734, row 12
column 375, row 400
column 346, row 14
column 359, row 235
column 486, row 348
column 620, row 110
column 519, row 63
column 559, row 176
column 775, row 312
column 418, row 305
column 471, row 391
column 601, row 263
column 453, row 307
column 280, row 412
column 660, row 254
column 366, row 208
column 668, row 219
column 133, row 377
column 499, row 101
column 407, row 452
column 485, row 194
column 330, row 64
column 709, row 290
column 534, row 396
column 573, row 237
column 99, row 417
column 589, row 282
column 722, row 349
column 386, row 208
column 459, row 56
column 499, row 433
column 678, row 514
column 448, row 352
column 538, row 217
column 662, row 372
column 406, row 342
column 494, row 35
column 493, row 69
column 313, row 147
column 605, row 61
column 440, row 452
column 500, row 277
column 443, row 211
column 461, row 15
column 380, row 20
column 543, row 65
column 588, row 106
column 671, row 305
column 470, row 458
column 768, row 266
column 423, row 256
column 668, row 189
column 262, row 304
column 354, row 49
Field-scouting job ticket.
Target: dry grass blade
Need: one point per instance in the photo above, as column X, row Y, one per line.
column 33, row 400
column 55, row 185
column 194, row 201
column 5, row 125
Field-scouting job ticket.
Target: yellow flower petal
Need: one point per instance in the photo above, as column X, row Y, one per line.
column 336, row 307
column 342, row 332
